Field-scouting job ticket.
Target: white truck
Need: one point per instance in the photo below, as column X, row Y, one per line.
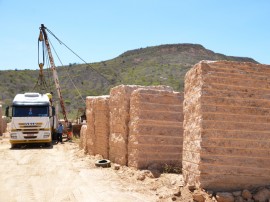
column 33, row 119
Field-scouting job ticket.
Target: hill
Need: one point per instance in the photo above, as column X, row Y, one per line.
column 157, row 65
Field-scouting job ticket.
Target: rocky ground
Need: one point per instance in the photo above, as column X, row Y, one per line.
column 64, row 173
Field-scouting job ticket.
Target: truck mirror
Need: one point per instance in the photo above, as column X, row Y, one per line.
column 7, row 111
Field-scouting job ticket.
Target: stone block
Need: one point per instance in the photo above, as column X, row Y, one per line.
column 156, row 132
column 83, row 137
column 119, row 105
column 226, row 126
column 90, row 132
column 97, row 114
column 101, row 125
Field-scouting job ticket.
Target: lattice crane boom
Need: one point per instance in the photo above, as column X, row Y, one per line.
column 43, row 36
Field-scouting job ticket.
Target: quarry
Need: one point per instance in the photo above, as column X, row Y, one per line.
column 208, row 143
column 216, row 131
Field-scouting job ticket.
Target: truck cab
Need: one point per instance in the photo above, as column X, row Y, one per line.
column 33, row 119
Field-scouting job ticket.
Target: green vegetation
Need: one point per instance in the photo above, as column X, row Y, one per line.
column 159, row 65
column 167, row 168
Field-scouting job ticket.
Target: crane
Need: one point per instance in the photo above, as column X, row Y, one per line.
column 44, row 37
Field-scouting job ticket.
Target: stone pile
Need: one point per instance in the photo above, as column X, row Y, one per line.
column 260, row 194
column 119, row 120
column 226, row 126
column 155, row 132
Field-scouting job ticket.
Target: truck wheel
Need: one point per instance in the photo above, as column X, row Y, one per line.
column 49, row 144
column 13, row 146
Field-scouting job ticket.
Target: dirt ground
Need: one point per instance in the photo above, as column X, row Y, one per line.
column 64, row 173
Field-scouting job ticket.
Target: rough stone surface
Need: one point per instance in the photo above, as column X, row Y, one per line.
column 101, row 124
column 155, row 129
column 239, row 199
column 119, row 120
column 97, row 134
column 226, row 126
column 141, row 177
column 83, row 137
column 224, row 197
column 262, row 195
column 90, row 132
column 177, row 191
column 246, row 194
column 237, row 193
column 116, row 166
column 198, row 197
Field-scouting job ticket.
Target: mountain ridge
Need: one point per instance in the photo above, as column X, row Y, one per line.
column 186, row 48
column 155, row 65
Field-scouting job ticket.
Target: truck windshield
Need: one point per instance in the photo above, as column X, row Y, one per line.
column 23, row 111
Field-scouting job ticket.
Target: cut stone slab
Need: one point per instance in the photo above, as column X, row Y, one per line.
column 119, row 120
column 156, row 129
column 226, row 144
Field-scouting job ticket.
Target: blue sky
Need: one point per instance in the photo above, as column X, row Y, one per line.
column 102, row 30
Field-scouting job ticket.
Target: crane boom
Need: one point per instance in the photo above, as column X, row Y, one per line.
column 55, row 76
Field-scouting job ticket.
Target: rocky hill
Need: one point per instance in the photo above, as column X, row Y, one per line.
column 164, row 64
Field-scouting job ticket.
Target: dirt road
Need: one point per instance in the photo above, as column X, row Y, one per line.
column 64, row 173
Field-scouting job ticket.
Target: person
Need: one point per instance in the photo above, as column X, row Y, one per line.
column 69, row 131
column 60, row 129
column 30, row 112
column 50, row 96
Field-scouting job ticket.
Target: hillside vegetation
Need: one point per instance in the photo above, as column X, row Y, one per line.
column 158, row 65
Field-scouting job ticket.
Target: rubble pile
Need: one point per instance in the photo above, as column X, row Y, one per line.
column 260, row 194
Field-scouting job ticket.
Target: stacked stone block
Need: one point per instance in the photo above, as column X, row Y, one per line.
column 83, row 137
column 156, row 129
column 97, row 133
column 90, row 131
column 119, row 120
column 101, row 125
column 226, row 125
